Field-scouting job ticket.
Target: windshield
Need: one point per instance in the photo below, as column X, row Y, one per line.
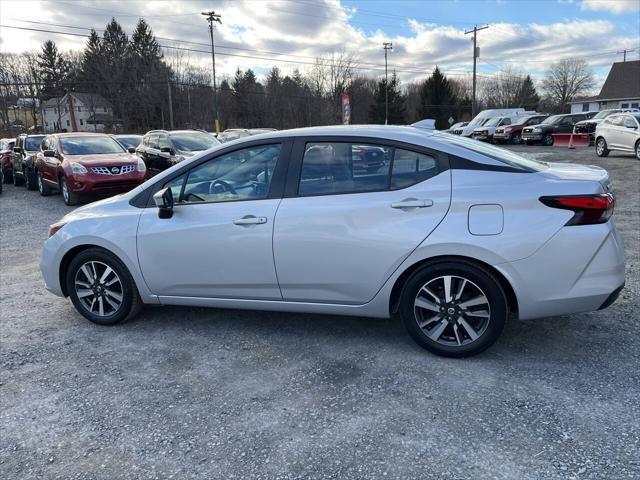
column 129, row 142
column 493, row 122
column 604, row 114
column 506, row 156
column 478, row 121
column 193, row 141
column 33, row 143
column 551, row 119
column 89, row 145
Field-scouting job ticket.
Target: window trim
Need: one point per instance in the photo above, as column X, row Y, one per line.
column 297, row 154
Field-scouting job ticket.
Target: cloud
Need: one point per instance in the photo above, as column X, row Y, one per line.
column 614, row 6
column 261, row 34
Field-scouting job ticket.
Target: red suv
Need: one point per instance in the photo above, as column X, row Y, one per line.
column 80, row 164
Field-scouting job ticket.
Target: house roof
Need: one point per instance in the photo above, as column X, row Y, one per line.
column 53, row 102
column 622, row 82
column 90, row 99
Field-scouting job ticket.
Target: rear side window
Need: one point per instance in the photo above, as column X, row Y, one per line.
column 629, row 122
column 342, row 167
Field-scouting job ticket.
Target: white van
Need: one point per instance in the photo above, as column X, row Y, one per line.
column 486, row 115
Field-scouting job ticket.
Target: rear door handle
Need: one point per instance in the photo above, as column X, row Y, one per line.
column 250, row 220
column 412, row 203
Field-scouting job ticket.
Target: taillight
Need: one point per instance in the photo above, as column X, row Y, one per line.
column 588, row 209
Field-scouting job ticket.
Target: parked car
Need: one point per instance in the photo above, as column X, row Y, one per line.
column 456, row 126
column 453, row 235
column 543, row 132
column 233, row 134
column 23, row 160
column 513, row 133
column 589, row 125
column 620, row 131
column 129, row 141
column 1, row 180
column 484, row 116
column 485, row 132
column 6, row 152
column 368, row 158
column 80, row 164
column 161, row 149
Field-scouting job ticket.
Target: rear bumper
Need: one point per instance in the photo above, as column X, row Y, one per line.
column 581, row 269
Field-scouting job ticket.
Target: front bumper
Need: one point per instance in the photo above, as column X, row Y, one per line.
column 104, row 184
column 531, row 136
column 483, row 137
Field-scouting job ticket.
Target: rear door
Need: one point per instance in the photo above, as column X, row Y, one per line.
column 340, row 232
column 628, row 133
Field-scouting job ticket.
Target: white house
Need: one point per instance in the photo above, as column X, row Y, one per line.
column 621, row 89
column 77, row 112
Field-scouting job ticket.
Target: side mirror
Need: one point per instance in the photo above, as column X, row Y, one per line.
column 164, row 201
column 17, row 150
column 49, row 153
column 131, row 149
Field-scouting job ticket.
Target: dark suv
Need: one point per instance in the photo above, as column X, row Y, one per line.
column 543, row 133
column 160, row 149
column 513, row 133
column 24, row 160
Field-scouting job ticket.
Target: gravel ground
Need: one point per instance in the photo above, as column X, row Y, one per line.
column 196, row 393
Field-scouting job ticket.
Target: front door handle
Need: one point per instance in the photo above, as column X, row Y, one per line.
column 250, row 220
column 412, row 203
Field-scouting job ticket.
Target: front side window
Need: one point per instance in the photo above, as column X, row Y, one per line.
column 163, row 142
column 240, row 175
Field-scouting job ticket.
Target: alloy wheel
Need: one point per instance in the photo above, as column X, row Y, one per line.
column 452, row 310
column 40, row 185
column 65, row 191
column 98, row 288
column 600, row 147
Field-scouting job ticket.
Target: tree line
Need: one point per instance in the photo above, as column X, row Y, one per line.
column 139, row 80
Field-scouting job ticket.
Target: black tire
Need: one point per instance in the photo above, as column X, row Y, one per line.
column 131, row 303
column 8, row 177
column 515, row 139
column 70, row 198
column 30, row 181
column 43, row 188
column 456, row 343
column 529, row 142
column 601, row 147
column 547, row 140
column 638, row 150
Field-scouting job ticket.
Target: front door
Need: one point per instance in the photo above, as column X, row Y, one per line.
column 346, row 230
column 218, row 243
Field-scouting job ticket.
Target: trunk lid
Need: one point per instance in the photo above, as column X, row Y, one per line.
column 575, row 171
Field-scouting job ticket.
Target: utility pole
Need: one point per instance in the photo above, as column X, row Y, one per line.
column 476, row 54
column 387, row 46
column 211, row 18
column 170, row 105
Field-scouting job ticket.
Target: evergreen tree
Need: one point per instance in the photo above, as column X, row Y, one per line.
column 528, row 96
column 117, row 84
column 437, row 99
column 396, row 103
column 53, row 70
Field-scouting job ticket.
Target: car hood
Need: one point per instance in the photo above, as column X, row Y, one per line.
column 575, row 171
column 485, row 129
column 97, row 209
column 103, row 160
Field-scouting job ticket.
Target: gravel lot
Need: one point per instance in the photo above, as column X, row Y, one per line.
column 197, row 393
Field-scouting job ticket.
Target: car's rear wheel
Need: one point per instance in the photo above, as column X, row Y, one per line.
column 453, row 309
column 43, row 188
column 30, row 181
column 548, row 140
column 69, row 197
column 101, row 288
column 601, row 147
column 8, row 177
column 638, row 150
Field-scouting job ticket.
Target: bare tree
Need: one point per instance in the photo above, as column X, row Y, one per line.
column 567, row 79
column 503, row 89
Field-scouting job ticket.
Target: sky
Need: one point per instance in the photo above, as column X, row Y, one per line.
column 523, row 35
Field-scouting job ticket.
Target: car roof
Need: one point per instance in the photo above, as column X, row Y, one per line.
column 79, row 134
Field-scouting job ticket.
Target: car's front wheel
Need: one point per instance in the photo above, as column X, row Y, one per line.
column 453, row 309
column 547, row 140
column 601, row 147
column 43, row 188
column 516, row 139
column 69, row 197
column 101, row 288
column 7, row 174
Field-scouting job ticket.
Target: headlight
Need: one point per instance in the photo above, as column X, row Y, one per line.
column 78, row 169
column 141, row 167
